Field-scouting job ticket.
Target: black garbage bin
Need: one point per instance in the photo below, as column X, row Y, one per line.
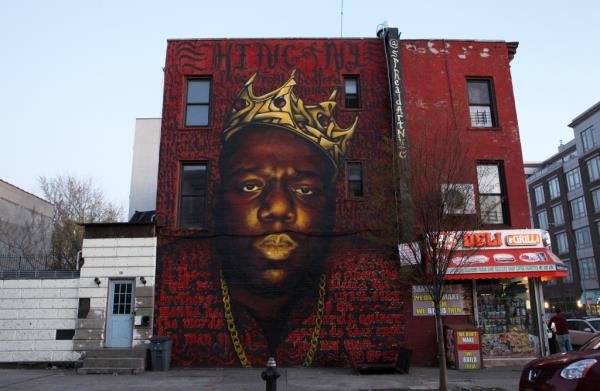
column 160, row 353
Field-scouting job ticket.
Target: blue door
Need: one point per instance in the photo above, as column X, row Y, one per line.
column 119, row 325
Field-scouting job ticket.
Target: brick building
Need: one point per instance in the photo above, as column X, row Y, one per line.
column 266, row 187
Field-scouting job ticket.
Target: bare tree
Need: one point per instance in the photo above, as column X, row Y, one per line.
column 77, row 201
column 441, row 212
column 25, row 239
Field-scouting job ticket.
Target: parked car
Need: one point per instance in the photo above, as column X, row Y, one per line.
column 582, row 330
column 573, row 371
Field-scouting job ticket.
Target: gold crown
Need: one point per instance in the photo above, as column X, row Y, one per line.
column 283, row 109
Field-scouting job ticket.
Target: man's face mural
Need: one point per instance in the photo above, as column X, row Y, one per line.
column 277, row 200
column 277, row 196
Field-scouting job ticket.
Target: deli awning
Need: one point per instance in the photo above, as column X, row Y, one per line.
column 505, row 254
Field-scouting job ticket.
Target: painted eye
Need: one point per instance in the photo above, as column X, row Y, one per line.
column 303, row 190
column 251, row 187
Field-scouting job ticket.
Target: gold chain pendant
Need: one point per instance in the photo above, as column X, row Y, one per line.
column 235, row 338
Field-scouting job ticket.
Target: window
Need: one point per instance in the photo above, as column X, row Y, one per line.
column 593, row 167
column 583, row 238
column 554, row 188
column 543, row 219
column 197, row 102
column 192, row 195
column 578, row 208
column 562, row 244
column 587, row 267
column 596, row 199
column 355, row 180
column 539, row 195
column 558, row 215
column 588, row 139
column 573, row 179
column 481, row 104
column 351, row 89
column 569, row 278
column 492, row 203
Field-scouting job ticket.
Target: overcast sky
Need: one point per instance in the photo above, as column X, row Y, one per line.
column 74, row 75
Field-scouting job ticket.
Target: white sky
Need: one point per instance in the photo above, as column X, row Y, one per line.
column 74, row 75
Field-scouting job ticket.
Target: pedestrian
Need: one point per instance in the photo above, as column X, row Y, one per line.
column 563, row 338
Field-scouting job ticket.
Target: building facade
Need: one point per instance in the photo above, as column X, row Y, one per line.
column 25, row 222
column 267, row 187
column 565, row 199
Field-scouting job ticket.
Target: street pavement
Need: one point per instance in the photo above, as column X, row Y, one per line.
column 292, row 379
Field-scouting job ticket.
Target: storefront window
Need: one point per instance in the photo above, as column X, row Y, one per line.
column 505, row 319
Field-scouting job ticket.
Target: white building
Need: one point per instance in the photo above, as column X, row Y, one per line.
column 144, row 167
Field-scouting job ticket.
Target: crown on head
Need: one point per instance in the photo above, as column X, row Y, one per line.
column 283, row 109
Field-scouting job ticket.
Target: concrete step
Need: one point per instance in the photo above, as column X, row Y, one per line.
column 115, row 362
column 108, row 371
column 117, row 352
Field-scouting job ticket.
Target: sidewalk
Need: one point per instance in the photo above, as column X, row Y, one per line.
column 292, row 379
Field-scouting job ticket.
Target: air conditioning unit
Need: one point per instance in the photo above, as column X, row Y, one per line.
column 458, row 198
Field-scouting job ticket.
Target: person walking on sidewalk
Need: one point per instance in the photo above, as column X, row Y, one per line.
column 562, row 331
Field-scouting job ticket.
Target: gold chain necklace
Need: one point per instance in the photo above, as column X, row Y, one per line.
column 235, row 338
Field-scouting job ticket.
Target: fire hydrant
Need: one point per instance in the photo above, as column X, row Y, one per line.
column 270, row 375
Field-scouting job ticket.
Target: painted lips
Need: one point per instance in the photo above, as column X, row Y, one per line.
column 276, row 247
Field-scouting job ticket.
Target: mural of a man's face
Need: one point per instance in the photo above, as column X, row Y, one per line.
column 277, row 195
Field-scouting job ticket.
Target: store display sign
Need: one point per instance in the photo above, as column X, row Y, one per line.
column 469, row 355
column 452, row 303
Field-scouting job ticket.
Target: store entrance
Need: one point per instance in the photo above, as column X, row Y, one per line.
column 505, row 319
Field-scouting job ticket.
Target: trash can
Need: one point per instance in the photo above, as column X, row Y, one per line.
column 160, row 353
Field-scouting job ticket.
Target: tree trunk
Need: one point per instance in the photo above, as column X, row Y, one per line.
column 441, row 347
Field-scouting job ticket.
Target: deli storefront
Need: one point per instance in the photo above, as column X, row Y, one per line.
column 497, row 274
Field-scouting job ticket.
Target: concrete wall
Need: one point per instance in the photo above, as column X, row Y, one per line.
column 144, row 168
column 114, row 258
column 25, row 222
column 31, row 311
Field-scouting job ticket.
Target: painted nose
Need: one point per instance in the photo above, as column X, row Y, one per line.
column 277, row 206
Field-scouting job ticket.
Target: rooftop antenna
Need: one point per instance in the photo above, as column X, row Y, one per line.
column 342, row 20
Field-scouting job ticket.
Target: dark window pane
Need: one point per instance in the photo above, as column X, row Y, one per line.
column 479, row 92
column 115, row 308
column 192, row 211
column 127, row 309
column 196, row 115
column 198, row 91
column 194, row 180
column 355, row 180
column 128, row 288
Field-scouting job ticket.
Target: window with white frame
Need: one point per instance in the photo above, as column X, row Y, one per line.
column 588, row 139
column 587, row 267
column 596, row 199
column 583, row 238
column 491, row 193
column 569, row 278
column 593, row 167
column 553, row 188
column 562, row 243
column 558, row 214
column 543, row 219
column 578, row 208
column 539, row 195
column 573, row 179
